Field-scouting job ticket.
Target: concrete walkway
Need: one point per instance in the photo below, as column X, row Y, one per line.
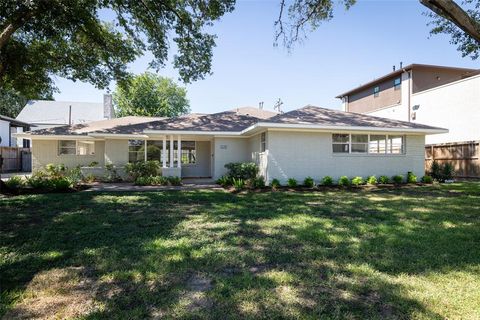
column 127, row 186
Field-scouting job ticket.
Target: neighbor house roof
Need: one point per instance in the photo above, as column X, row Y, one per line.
column 399, row 72
column 15, row 122
column 230, row 122
column 255, row 112
column 46, row 112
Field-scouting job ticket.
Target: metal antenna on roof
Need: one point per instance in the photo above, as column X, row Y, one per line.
column 260, row 105
column 278, row 105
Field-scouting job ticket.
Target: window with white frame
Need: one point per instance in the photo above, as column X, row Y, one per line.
column 359, row 143
column 155, row 152
column 377, row 143
column 76, row 147
column 371, row 144
column 397, row 83
column 136, row 150
column 263, row 142
column 341, row 143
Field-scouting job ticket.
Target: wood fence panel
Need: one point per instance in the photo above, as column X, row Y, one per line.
column 464, row 156
column 12, row 158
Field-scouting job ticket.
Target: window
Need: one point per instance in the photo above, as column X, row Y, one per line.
column 376, row 91
column 67, row 147
column 359, row 143
column 395, row 144
column 136, row 150
column 397, row 83
column 76, row 147
column 341, row 143
column 155, row 152
column 377, row 144
column 263, row 142
column 371, row 144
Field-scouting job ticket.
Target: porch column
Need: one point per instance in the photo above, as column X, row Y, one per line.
column 179, row 151
column 171, row 151
column 164, row 157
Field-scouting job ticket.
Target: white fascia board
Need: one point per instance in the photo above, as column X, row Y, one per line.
column 188, row 132
column 118, row 136
column 293, row 126
column 51, row 137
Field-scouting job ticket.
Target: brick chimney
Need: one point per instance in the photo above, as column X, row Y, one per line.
column 108, row 111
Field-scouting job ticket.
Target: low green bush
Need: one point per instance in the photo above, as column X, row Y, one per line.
column 327, row 181
column 427, row 179
column 258, row 182
column 372, row 180
column 60, row 184
column 15, row 182
column 225, row 181
column 344, row 181
column 93, row 164
column 292, row 183
column 238, row 184
column 357, row 181
column 152, row 181
column 411, row 178
column 89, row 178
column 174, row 181
column 397, row 179
column 447, row 171
column 111, row 174
column 309, row 182
column 242, row 170
column 441, row 172
column 275, row 184
column 383, row 180
column 142, row 169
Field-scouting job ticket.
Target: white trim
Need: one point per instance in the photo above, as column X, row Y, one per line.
column 188, row 132
column 119, row 136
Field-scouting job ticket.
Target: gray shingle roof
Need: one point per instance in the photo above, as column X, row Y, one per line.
column 230, row 121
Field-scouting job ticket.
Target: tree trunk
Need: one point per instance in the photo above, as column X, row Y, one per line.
column 21, row 18
column 454, row 13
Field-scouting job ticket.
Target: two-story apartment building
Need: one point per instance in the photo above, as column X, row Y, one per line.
column 447, row 97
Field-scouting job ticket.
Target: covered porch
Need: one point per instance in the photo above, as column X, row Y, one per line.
column 185, row 156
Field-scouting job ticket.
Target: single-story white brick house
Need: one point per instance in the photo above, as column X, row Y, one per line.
column 310, row 141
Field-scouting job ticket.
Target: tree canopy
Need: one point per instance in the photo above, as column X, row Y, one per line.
column 148, row 94
column 40, row 39
column 462, row 23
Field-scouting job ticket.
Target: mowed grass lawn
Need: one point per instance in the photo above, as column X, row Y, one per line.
column 406, row 253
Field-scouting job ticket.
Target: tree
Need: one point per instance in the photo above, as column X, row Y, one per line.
column 40, row 39
column 11, row 103
column 150, row 95
column 463, row 24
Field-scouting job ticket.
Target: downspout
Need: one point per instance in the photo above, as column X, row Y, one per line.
column 409, row 92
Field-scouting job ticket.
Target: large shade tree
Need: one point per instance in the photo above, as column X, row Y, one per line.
column 461, row 22
column 148, row 94
column 40, row 39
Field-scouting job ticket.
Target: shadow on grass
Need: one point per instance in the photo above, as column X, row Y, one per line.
column 290, row 255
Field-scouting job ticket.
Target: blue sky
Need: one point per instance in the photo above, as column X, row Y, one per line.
column 356, row 46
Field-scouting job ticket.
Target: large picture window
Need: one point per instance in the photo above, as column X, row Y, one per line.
column 76, row 147
column 136, row 151
column 371, row 144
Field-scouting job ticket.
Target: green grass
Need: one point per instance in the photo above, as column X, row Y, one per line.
column 405, row 253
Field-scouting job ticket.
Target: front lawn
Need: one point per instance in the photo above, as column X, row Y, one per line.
column 405, row 253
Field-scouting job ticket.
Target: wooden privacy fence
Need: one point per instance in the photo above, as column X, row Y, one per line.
column 16, row 159
column 464, row 156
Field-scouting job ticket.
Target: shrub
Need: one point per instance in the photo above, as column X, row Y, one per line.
column 53, row 170
column 14, row 182
column 427, row 179
column 327, row 181
column 397, row 179
column 383, row 180
column 258, row 182
column 225, row 181
column 111, row 174
column 275, row 183
column 238, row 184
column 436, row 171
column 60, row 184
column 372, row 180
column 343, row 181
column 37, row 180
column 89, row 178
column 74, row 175
column 292, row 183
column 174, row 181
column 308, row 182
column 411, row 178
column 142, row 169
column 242, row 170
column 357, row 181
column 93, row 164
column 447, row 171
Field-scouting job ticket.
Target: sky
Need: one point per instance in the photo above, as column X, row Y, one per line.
column 355, row 47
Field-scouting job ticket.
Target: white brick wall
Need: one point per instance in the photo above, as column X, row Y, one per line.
column 298, row 155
